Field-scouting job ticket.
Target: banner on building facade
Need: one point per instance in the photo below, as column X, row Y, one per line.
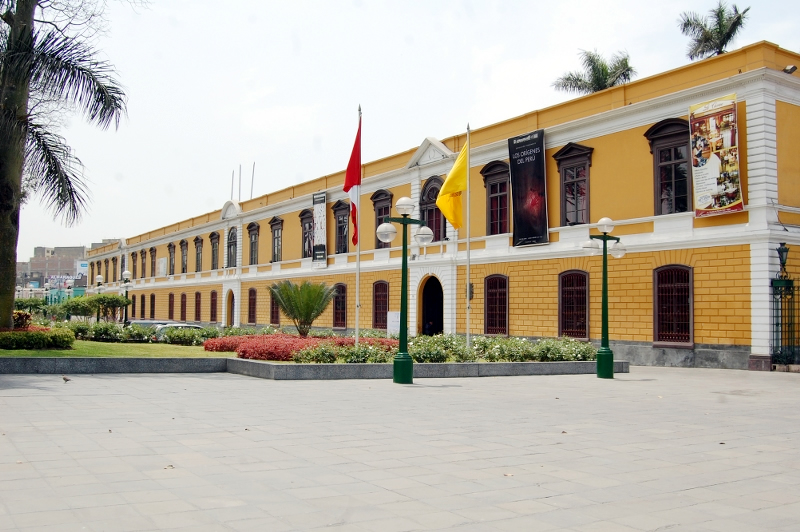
column 715, row 157
column 528, row 188
column 320, row 255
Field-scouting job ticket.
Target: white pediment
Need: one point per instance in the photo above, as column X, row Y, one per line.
column 430, row 151
column 231, row 209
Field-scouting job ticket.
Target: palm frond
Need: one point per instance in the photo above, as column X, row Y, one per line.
column 573, row 82
column 51, row 168
column 302, row 303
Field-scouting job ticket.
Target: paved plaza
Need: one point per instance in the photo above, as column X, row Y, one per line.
column 657, row 449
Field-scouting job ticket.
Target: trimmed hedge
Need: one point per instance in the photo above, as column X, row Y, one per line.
column 37, row 339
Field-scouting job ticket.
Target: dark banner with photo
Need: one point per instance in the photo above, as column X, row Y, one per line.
column 715, row 157
column 528, row 188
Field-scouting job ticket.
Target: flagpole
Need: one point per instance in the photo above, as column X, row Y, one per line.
column 469, row 343
column 358, row 243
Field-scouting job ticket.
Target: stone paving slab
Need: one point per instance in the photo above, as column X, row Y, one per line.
column 655, row 449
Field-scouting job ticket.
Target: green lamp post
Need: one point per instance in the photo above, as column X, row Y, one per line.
column 605, row 357
column 100, row 288
column 403, row 364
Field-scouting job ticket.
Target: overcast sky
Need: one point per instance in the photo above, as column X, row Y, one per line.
column 212, row 85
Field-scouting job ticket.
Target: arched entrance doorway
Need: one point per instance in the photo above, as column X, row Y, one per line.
column 230, row 308
column 432, row 307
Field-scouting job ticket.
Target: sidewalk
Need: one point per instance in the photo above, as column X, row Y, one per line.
column 656, row 449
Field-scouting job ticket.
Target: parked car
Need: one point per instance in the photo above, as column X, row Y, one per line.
column 162, row 329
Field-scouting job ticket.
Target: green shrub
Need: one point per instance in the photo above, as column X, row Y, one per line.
column 138, row 333
column 210, row 332
column 106, row 331
column 429, row 349
column 56, row 311
column 80, row 329
column 324, row 353
column 181, row 336
column 58, row 338
column 22, row 319
column 61, row 338
column 375, row 333
column 559, row 349
column 240, row 331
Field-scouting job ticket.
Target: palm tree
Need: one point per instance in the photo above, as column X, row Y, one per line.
column 302, row 303
column 711, row 35
column 598, row 74
column 51, row 70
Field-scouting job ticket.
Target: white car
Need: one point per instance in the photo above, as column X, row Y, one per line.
column 161, row 329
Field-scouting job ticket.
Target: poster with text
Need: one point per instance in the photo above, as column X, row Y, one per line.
column 528, row 188
column 713, row 130
column 320, row 255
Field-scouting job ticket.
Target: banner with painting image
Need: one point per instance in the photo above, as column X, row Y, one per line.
column 715, row 157
column 528, row 188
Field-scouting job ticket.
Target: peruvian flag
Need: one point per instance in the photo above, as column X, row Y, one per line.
column 352, row 180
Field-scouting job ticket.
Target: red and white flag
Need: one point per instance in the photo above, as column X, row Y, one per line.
column 352, row 180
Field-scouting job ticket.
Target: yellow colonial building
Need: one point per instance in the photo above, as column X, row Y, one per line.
column 698, row 167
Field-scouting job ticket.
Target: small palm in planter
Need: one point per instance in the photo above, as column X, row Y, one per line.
column 302, row 303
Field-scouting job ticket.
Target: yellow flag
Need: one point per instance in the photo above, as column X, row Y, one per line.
column 449, row 199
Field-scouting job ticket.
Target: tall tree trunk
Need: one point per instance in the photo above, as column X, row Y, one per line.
column 14, row 91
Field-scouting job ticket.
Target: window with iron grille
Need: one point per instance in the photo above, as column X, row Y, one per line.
column 133, row 306
column 197, row 300
column 429, row 212
column 152, row 306
column 252, row 230
column 573, row 304
column 670, row 146
column 184, row 256
column 382, row 201
column 380, row 304
column 340, row 306
column 171, row 252
column 496, row 308
column 251, row 305
column 183, row 307
column 276, row 225
column 673, row 317
column 307, row 227
column 114, row 270
column 171, row 307
column 133, row 265
column 213, row 307
column 143, row 255
column 198, row 254
column 574, row 161
column 232, row 235
column 214, row 239
column 274, row 311
column 496, row 180
column 152, row 262
column 341, row 213
column 141, row 306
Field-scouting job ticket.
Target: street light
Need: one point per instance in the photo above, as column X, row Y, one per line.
column 100, row 288
column 126, row 284
column 47, row 292
column 605, row 357
column 386, row 232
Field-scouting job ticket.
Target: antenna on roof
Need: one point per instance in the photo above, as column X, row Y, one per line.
column 232, row 171
column 240, row 183
column 252, row 178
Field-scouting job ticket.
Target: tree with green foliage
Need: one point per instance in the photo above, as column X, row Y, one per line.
column 598, row 74
column 34, row 305
column 302, row 303
column 43, row 72
column 711, row 35
column 110, row 305
column 83, row 306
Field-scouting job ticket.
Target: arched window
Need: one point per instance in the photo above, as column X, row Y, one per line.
column 114, row 270
column 307, row 229
column 340, row 306
column 214, row 239
column 152, row 262
column 197, row 306
column 91, row 279
column 380, row 304
column 573, row 304
column 232, row 247
column 152, row 306
column 496, row 307
column 276, row 225
column 213, row 307
column 496, row 179
column 341, row 213
column 253, row 230
column 251, row 305
column 141, row 306
column 574, row 161
column 171, row 252
column 382, row 201
column 429, row 212
column 670, row 145
column 143, row 255
column 133, row 306
column 133, row 265
column 184, row 256
column 183, row 307
column 106, row 279
column 672, row 299
column 198, row 254
column 171, row 307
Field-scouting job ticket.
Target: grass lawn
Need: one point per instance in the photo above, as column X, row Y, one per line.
column 83, row 348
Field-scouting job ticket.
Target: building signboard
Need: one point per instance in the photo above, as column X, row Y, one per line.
column 715, row 157
column 320, row 255
column 528, row 188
